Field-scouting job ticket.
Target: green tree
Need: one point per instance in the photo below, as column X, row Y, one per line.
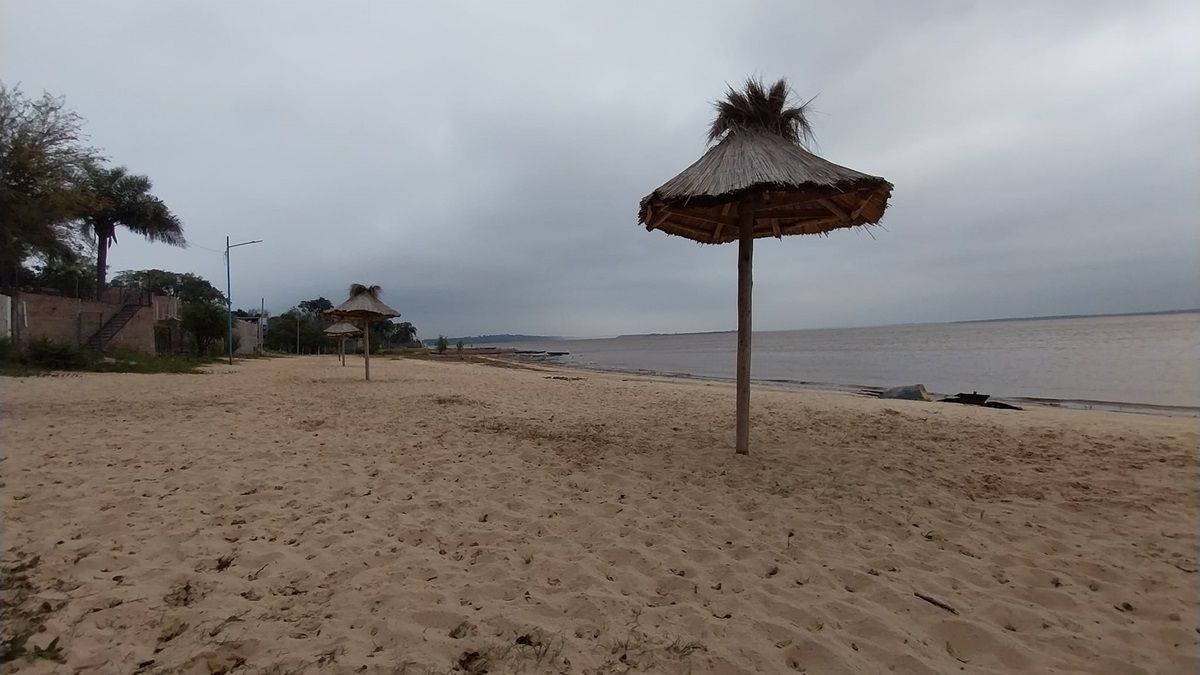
column 282, row 332
column 205, row 322
column 381, row 335
column 42, row 160
column 72, row 277
column 404, row 333
column 117, row 197
column 389, row 334
column 315, row 307
column 307, row 319
column 186, row 286
column 442, row 344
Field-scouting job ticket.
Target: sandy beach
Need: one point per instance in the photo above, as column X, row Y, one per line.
column 284, row 516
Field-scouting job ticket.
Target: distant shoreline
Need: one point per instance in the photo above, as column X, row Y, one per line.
column 897, row 325
column 508, row 338
column 1053, row 317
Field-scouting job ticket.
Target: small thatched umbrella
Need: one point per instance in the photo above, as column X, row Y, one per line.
column 760, row 180
column 341, row 331
column 364, row 306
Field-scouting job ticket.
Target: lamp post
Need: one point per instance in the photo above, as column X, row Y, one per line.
column 262, row 311
column 229, row 293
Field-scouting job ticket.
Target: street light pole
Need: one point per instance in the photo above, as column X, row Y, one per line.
column 229, row 293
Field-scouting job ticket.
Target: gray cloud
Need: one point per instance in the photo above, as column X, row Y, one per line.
column 484, row 162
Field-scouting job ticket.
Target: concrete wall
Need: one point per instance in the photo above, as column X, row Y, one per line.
column 65, row 320
column 6, row 308
column 166, row 307
column 72, row 321
column 246, row 332
column 137, row 335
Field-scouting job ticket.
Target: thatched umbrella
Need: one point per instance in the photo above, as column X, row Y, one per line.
column 364, row 306
column 341, row 331
column 760, row 180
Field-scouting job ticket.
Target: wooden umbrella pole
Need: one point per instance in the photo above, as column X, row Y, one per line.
column 745, row 285
column 367, row 347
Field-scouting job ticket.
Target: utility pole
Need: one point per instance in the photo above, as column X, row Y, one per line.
column 262, row 310
column 229, row 293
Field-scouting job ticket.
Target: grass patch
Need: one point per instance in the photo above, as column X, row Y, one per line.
column 643, row 652
column 395, row 354
column 18, row 369
column 145, row 363
column 23, row 613
column 533, row 651
column 42, row 357
column 50, row 355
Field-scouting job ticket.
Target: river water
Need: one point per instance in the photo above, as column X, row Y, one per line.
column 1136, row 360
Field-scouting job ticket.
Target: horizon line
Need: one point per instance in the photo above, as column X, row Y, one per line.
column 1045, row 317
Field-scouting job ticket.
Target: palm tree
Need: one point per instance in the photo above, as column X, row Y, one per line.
column 121, row 198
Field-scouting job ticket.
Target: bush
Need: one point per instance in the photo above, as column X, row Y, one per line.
column 43, row 353
column 204, row 322
column 442, row 344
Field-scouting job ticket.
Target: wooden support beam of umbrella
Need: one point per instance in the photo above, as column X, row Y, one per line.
column 341, row 331
column 760, row 180
column 364, row 306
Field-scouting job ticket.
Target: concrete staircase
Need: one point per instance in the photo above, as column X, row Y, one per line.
column 113, row 326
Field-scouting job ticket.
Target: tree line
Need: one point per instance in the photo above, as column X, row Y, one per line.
column 301, row 329
column 62, row 203
column 203, row 320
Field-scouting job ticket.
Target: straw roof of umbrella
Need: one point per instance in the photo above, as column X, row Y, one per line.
column 760, row 180
column 364, row 303
column 342, row 329
column 761, row 155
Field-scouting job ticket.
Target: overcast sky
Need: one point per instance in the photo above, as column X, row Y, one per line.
column 483, row 162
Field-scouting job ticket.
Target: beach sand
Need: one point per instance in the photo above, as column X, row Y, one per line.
column 285, row 516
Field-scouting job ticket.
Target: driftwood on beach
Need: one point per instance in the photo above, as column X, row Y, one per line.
column 912, row 392
column 917, row 392
column 975, row 398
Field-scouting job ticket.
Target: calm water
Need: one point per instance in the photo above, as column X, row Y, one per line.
column 1148, row 359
